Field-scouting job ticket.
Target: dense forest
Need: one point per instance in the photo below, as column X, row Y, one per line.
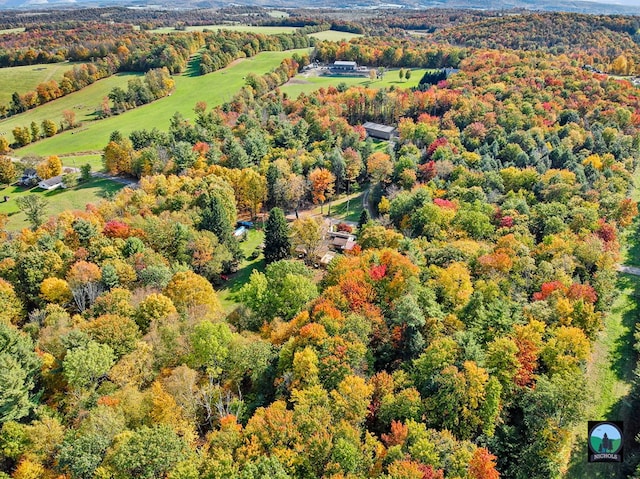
column 451, row 342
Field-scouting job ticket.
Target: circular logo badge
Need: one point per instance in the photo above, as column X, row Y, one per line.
column 605, row 438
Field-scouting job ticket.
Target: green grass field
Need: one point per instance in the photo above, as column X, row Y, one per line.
column 238, row 279
column 339, row 207
column 84, row 103
column 12, row 30
column 302, row 84
column 59, row 200
column 334, row 36
column 27, row 78
column 380, row 145
column 277, row 14
column 214, row 88
column 236, row 28
column 77, row 161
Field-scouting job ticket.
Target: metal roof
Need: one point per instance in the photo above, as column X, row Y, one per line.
column 378, row 127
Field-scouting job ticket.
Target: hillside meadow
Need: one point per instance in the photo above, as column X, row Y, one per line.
column 214, row 88
column 306, row 84
column 27, row 78
column 84, row 103
column 334, row 35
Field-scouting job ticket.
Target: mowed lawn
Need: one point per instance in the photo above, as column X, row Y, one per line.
column 84, row 103
column 235, row 282
column 266, row 30
column 214, row 88
column 302, row 84
column 27, row 78
column 77, row 161
column 334, row 36
column 60, row 200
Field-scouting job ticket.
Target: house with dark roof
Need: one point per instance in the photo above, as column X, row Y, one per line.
column 29, row 178
column 376, row 130
column 341, row 241
column 51, row 183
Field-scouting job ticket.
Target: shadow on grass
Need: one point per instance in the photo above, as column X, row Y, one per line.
column 193, row 67
column 623, row 354
column 237, row 280
column 107, row 188
column 240, row 277
column 633, row 242
column 339, row 211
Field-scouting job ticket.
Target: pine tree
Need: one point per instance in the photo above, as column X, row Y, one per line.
column 215, row 219
column 19, row 368
column 365, row 217
column 277, row 244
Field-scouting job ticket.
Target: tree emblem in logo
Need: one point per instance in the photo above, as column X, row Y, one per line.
column 605, row 441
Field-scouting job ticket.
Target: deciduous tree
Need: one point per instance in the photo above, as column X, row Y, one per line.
column 35, row 209
column 322, row 182
column 7, row 170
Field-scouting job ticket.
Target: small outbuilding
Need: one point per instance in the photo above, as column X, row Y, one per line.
column 376, row 130
column 326, row 258
column 240, row 232
column 51, row 183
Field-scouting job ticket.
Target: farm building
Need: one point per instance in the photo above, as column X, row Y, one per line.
column 51, row 183
column 376, row 130
column 344, row 66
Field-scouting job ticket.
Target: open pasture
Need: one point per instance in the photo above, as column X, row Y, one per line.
column 27, row 78
column 334, row 36
column 214, row 88
column 84, row 103
column 305, row 83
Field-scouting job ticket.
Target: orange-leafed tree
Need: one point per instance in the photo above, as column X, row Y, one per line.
column 379, row 167
column 322, row 182
column 483, row 465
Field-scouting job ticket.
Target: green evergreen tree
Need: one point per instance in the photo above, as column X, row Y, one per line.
column 19, row 366
column 214, row 218
column 110, row 276
column 277, row 244
column 365, row 217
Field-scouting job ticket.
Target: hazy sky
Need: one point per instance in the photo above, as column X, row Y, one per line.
column 633, row 3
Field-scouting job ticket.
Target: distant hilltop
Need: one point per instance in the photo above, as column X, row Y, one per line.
column 539, row 5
